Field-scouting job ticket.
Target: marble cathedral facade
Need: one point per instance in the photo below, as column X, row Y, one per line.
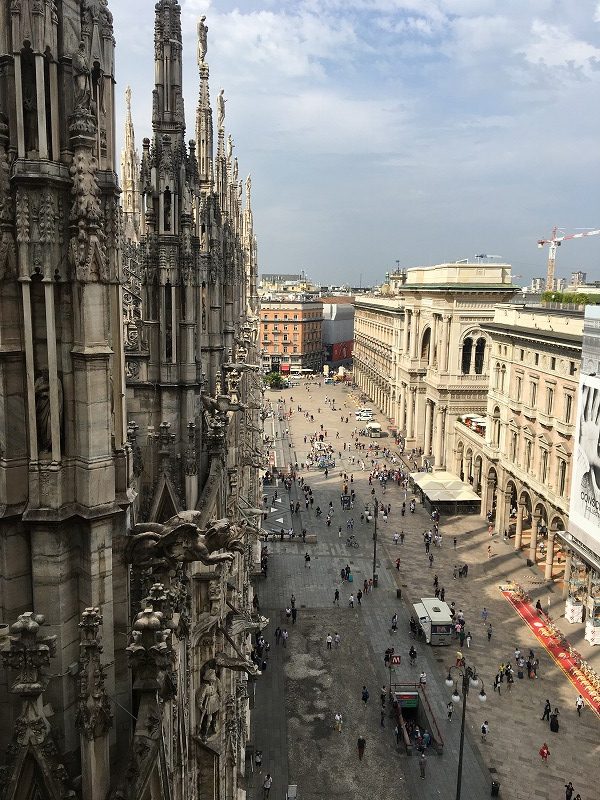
column 129, row 424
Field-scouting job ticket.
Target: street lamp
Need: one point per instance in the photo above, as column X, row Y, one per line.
column 468, row 676
column 376, row 512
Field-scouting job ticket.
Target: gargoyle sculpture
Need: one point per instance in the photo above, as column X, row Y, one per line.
column 180, row 540
column 236, row 664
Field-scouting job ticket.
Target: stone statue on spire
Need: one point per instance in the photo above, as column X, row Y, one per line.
column 202, row 40
column 221, row 109
column 248, row 188
column 128, row 99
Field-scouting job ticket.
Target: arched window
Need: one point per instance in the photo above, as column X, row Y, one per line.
column 426, row 344
column 496, row 427
column 466, row 356
column 167, row 210
column 479, row 356
column 502, row 377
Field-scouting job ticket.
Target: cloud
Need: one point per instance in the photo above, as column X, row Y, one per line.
column 378, row 128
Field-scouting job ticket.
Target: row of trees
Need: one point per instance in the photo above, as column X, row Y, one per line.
column 573, row 298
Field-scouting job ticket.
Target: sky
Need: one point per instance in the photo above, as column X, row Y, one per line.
column 397, row 132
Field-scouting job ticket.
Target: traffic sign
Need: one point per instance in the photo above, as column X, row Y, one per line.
column 395, row 660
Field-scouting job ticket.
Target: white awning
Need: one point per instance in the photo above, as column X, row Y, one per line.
column 444, row 487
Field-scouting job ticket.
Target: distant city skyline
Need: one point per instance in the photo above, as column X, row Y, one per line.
column 377, row 131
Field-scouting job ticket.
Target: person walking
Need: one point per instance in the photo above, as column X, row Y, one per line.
column 338, row 722
column 351, row 601
column 307, row 560
column 468, row 638
column 268, row 782
column 579, row 705
column 277, row 635
column 329, row 641
column 430, row 560
column 284, row 637
column 383, row 694
column 484, row 615
column 450, row 710
column 422, row 765
column 485, row 729
column 454, row 541
column 489, row 632
column 359, row 595
column 547, row 710
column 361, row 744
column 336, row 598
column 569, row 789
column 364, row 695
column 294, row 615
column 336, row 639
column 544, row 753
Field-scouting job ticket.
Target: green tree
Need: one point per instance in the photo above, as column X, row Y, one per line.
column 274, row 380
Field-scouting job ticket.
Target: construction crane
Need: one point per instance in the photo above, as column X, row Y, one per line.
column 553, row 243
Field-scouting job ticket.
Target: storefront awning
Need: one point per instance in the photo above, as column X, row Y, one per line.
column 444, row 487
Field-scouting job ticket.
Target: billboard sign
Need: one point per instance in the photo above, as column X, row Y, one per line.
column 584, row 510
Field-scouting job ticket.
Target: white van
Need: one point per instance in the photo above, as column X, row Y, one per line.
column 366, row 414
column 373, row 430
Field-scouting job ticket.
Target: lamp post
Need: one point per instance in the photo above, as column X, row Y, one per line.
column 468, row 676
column 376, row 512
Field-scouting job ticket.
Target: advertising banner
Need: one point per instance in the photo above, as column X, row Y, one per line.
column 584, row 511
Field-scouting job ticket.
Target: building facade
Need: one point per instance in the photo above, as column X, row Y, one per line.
column 421, row 353
column 130, row 429
column 520, row 458
column 291, row 335
column 338, row 330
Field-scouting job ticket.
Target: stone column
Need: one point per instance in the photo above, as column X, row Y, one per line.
column 415, row 333
column 417, row 421
column 432, row 341
column 500, row 510
column 534, row 532
column 428, row 424
column 405, row 332
column 519, row 530
column 489, row 499
column 439, row 422
column 445, row 343
column 567, row 577
column 410, row 413
column 402, row 416
column 550, row 555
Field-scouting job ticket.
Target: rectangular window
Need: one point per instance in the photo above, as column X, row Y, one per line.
column 561, row 483
column 543, row 465
column 572, row 368
column 522, row 355
column 568, row 407
column 536, row 359
column 285, row 337
column 519, row 387
column 553, row 363
column 532, row 393
column 549, row 400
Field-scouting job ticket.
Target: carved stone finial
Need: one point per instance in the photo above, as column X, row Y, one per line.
column 150, row 654
column 94, row 714
column 28, row 653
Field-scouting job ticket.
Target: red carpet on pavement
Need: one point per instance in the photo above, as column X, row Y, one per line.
column 562, row 658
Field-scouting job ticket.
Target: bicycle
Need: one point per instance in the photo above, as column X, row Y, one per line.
column 351, row 542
